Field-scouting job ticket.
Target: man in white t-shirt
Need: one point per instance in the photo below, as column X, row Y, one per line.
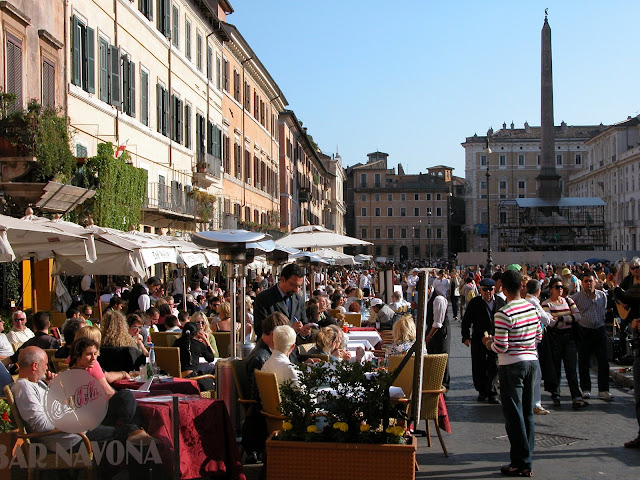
column 441, row 285
column 412, row 282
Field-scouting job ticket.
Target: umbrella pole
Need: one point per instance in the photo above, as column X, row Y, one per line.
column 96, row 285
column 243, row 306
column 234, row 302
column 34, row 297
column 184, row 288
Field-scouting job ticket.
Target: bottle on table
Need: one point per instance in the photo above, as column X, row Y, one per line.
column 152, row 366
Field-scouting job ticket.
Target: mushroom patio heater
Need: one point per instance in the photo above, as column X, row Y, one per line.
column 307, row 260
column 237, row 248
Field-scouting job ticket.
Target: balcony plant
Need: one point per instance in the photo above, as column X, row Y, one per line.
column 40, row 132
column 350, row 434
column 204, row 201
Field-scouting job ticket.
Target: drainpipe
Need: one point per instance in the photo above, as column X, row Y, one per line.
column 66, row 58
column 242, row 103
column 115, row 41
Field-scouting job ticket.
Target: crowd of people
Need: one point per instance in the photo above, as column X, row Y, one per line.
column 523, row 325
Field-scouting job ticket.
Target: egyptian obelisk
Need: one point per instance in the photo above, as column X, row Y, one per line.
column 548, row 180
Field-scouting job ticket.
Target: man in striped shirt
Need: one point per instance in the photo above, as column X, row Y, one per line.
column 517, row 326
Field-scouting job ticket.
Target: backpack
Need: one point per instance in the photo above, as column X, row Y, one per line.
column 471, row 294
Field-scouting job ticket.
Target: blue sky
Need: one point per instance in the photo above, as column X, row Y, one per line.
column 414, row 78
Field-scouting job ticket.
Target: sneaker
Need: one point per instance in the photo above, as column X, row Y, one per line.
column 556, row 401
column 540, row 411
column 605, row 396
column 510, row 471
column 635, row 443
column 586, row 394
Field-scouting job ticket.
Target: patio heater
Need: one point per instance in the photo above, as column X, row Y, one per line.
column 237, row 248
column 307, row 260
column 279, row 257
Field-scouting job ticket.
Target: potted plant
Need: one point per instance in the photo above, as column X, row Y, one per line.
column 8, row 437
column 351, row 435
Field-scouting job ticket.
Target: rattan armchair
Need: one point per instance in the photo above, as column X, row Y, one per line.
column 242, row 384
column 164, row 339
column 270, row 400
column 51, row 461
column 432, row 375
column 354, row 319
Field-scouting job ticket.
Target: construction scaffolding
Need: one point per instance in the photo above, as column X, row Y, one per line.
column 534, row 224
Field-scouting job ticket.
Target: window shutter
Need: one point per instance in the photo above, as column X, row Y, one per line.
column 91, row 62
column 172, row 118
column 217, row 140
column 209, row 63
column 103, row 87
column 14, row 72
column 48, row 84
column 159, row 101
column 165, row 106
column 132, row 89
column 187, row 126
column 166, row 20
column 180, row 122
column 77, row 75
column 144, row 100
column 116, row 94
column 125, row 83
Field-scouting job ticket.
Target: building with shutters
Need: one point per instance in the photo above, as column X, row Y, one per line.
column 147, row 75
column 407, row 217
column 251, row 104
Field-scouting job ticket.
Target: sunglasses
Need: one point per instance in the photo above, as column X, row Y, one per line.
column 199, row 323
column 558, row 287
column 20, row 319
column 487, row 289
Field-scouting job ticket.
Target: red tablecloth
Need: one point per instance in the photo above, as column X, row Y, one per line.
column 361, row 329
column 185, row 386
column 207, row 442
column 443, row 415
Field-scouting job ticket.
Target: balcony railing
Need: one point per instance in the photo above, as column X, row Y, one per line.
column 163, row 197
column 207, row 163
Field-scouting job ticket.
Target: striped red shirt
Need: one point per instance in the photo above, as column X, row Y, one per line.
column 517, row 328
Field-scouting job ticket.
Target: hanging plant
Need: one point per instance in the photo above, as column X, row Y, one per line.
column 121, row 189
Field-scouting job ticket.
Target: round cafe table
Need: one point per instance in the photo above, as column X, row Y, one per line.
column 184, row 386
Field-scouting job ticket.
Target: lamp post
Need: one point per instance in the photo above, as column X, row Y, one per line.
column 429, row 231
column 489, row 267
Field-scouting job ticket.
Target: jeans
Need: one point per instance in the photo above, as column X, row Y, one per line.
column 565, row 351
column 593, row 341
column 516, row 393
column 537, row 394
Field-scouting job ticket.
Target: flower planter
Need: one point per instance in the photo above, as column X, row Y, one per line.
column 339, row 461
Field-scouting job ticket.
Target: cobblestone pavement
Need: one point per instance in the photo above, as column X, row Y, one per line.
column 583, row 444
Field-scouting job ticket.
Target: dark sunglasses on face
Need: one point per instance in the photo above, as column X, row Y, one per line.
column 558, row 287
column 487, row 289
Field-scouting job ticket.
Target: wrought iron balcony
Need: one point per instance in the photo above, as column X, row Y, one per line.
column 170, row 200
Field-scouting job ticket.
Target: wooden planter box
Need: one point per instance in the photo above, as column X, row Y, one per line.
column 339, row 461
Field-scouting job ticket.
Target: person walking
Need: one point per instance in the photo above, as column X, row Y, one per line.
column 517, row 328
column 478, row 319
column 592, row 305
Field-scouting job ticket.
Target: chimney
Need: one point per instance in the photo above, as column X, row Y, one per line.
column 512, row 125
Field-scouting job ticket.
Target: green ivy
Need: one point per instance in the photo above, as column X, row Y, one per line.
column 121, row 190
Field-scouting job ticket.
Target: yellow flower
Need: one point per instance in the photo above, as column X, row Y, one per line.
column 312, row 429
column 365, row 428
column 389, row 430
column 286, row 426
column 398, row 431
column 342, row 426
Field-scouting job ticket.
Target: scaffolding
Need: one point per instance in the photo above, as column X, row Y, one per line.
column 534, row 224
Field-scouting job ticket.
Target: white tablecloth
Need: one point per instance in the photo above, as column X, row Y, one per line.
column 371, row 335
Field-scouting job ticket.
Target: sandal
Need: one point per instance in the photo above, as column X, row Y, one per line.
column 510, row 471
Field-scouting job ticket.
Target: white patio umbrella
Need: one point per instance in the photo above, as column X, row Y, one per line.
column 338, row 258
column 22, row 239
column 317, row 236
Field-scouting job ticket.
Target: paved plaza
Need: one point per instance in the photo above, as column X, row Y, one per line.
column 583, row 444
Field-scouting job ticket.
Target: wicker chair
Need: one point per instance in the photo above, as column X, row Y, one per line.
column 305, row 347
column 270, row 400
column 242, row 384
column 51, row 461
column 223, row 340
column 432, row 375
column 168, row 359
column 57, row 319
column 164, row 339
column 354, row 319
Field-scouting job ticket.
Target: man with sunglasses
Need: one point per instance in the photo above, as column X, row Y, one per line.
column 283, row 297
column 478, row 319
column 20, row 333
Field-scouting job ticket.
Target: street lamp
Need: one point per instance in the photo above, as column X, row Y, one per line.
column 489, row 267
column 429, row 232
